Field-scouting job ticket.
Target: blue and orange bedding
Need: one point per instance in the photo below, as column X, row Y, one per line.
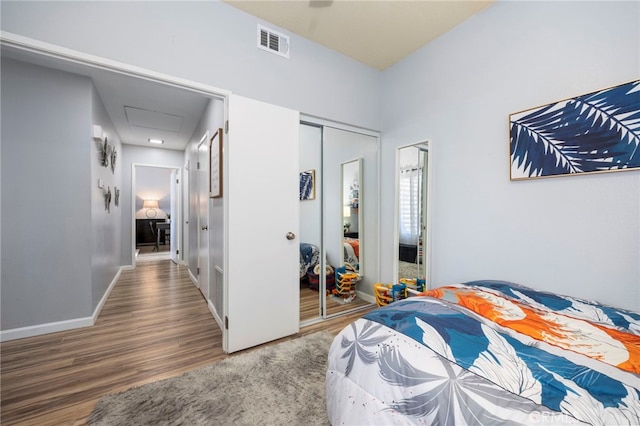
column 487, row 352
column 558, row 321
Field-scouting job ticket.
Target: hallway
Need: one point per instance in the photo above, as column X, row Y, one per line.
column 154, row 325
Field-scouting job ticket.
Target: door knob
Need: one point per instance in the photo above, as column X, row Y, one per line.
column 205, row 227
column 290, row 235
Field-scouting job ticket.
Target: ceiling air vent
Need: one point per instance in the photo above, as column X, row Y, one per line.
column 273, row 41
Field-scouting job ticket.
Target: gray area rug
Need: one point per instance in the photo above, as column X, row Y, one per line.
column 281, row 384
column 409, row 270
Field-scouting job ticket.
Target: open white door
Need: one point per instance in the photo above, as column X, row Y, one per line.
column 203, row 216
column 262, row 202
column 184, row 216
column 175, row 215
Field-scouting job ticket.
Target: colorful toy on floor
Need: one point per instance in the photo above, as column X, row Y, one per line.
column 346, row 281
column 417, row 284
column 389, row 293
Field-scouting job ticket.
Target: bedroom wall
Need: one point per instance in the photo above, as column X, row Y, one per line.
column 47, row 186
column 153, row 183
column 208, row 42
column 577, row 235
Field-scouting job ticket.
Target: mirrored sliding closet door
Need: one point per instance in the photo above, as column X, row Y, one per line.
column 338, row 221
column 412, row 202
column 350, row 184
column 310, row 237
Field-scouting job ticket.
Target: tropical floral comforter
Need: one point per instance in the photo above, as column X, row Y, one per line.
column 487, row 352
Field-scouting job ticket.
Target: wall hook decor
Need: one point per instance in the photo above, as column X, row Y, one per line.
column 107, row 200
column 104, row 153
column 113, row 156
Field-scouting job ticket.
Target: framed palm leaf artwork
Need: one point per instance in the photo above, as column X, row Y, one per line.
column 308, row 185
column 596, row 132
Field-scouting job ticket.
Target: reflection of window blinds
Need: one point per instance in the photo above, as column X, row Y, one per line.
column 409, row 205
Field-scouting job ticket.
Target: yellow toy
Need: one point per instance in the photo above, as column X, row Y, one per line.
column 387, row 293
column 346, row 286
column 382, row 294
column 418, row 285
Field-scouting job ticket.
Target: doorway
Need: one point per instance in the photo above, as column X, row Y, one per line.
column 155, row 211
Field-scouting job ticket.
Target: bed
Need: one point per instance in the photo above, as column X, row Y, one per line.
column 309, row 258
column 487, row 352
column 351, row 250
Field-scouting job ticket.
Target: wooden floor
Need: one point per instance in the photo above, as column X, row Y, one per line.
column 154, row 325
column 310, row 304
column 150, row 249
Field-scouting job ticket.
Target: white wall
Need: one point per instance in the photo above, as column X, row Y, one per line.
column 208, row 42
column 153, row 183
column 577, row 235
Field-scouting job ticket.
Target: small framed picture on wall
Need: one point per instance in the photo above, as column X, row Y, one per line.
column 308, row 185
column 215, row 165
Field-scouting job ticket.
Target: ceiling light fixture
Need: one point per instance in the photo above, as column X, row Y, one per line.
column 156, row 141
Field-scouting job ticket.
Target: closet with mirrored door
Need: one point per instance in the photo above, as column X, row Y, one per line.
column 339, row 241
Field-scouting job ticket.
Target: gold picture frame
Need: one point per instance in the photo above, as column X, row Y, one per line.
column 308, row 185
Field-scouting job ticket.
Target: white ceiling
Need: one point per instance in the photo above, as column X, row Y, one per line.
column 143, row 110
column 378, row 33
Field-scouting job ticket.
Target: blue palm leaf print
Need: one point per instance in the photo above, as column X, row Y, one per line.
column 456, row 393
column 598, row 131
column 358, row 346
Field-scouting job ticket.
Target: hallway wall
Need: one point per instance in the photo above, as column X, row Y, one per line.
column 59, row 245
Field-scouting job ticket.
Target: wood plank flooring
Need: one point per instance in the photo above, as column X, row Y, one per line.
column 310, row 304
column 154, row 325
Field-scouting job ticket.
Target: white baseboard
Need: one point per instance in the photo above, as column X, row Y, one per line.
column 366, row 297
column 194, row 280
column 53, row 327
column 106, row 294
column 215, row 315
